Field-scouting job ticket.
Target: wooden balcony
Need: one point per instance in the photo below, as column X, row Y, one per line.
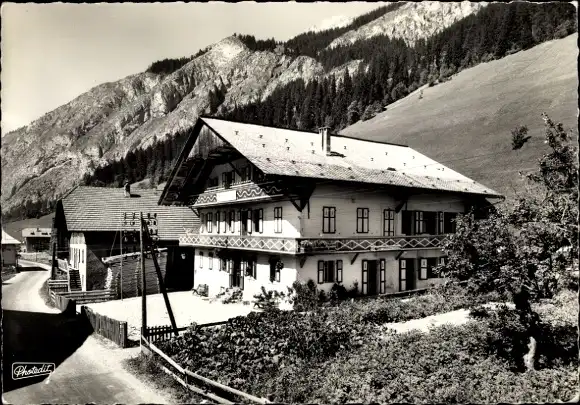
column 241, row 192
column 301, row 246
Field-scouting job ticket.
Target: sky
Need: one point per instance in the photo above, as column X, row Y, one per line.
column 52, row 53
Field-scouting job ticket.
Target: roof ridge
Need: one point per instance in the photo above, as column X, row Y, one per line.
column 303, row 131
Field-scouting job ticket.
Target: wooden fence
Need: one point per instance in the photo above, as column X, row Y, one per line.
column 109, row 328
column 155, row 334
column 90, row 297
column 213, row 390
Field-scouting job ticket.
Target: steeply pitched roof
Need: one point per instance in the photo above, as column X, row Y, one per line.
column 9, row 240
column 36, row 232
column 299, row 153
column 102, row 209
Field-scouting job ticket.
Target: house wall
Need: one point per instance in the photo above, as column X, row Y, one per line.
column 347, row 200
column 9, row 253
column 34, row 244
column 291, row 219
column 78, row 256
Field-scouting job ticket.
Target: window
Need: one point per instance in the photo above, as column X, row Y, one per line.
column 362, row 220
column 427, row 265
column 217, row 222
column 278, row 219
column 259, row 220
column 328, row 219
column 249, row 221
column 223, row 264
column 201, row 260
column 275, row 266
column 231, row 221
column 245, row 174
column 388, row 222
column 329, row 271
column 209, row 222
column 228, row 178
column 419, row 223
column 224, row 222
column 210, row 261
column 406, row 225
column 449, row 225
column 430, row 222
column 202, row 219
column 250, row 268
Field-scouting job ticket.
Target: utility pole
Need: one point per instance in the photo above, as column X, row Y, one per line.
column 121, row 265
column 143, row 282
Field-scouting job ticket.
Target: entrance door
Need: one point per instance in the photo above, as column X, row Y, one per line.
column 406, row 274
column 236, row 274
column 370, row 277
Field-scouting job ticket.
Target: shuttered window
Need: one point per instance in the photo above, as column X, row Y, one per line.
column 210, row 261
column 329, row 271
column 258, row 220
column 423, row 269
column 232, row 221
column 209, row 222
column 389, row 222
column 419, row 223
column 382, row 275
column 278, row 219
column 362, row 220
column 328, row 219
column 201, row 260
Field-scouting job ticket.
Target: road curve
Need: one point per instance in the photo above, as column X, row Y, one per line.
column 88, row 368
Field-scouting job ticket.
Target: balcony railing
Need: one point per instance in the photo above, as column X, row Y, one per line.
column 242, row 192
column 281, row 245
column 316, row 245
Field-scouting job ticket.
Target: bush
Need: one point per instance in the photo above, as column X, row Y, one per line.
column 268, row 300
column 305, row 296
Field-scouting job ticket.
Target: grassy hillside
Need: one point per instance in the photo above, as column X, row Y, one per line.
column 474, row 113
column 15, row 228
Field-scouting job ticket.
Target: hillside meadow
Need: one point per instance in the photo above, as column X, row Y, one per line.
column 466, row 122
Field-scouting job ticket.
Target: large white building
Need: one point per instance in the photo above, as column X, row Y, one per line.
column 279, row 205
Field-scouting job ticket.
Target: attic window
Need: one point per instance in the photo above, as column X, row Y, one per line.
column 261, row 136
column 286, row 140
column 263, row 145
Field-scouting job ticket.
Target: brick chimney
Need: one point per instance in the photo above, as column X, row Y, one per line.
column 325, row 136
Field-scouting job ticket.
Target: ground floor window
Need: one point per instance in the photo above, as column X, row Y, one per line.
column 275, row 267
column 329, row 271
column 427, row 267
column 210, row 261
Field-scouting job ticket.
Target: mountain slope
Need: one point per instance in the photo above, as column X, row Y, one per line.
column 412, row 21
column 474, row 113
column 48, row 157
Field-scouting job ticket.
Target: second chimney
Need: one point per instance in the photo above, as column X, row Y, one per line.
column 325, row 135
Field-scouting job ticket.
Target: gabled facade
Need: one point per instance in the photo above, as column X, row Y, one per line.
column 36, row 239
column 280, row 205
column 88, row 227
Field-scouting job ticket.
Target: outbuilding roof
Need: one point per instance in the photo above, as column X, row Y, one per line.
column 9, row 240
column 36, row 232
column 102, row 208
column 286, row 152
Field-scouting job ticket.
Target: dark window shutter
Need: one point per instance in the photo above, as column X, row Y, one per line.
column 320, row 272
column 382, row 276
column 406, row 225
column 364, row 283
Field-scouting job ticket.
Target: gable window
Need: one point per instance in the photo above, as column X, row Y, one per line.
column 328, row 219
column 278, row 219
column 388, row 222
column 228, row 178
column 258, row 220
column 210, row 261
column 209, row 222
column 232, row 220
column 362, row 220
column 329, row 271
column 245, row 174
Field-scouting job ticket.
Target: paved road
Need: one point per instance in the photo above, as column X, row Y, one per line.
column 88, row 368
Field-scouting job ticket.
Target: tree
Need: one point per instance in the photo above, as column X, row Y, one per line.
column 519, row 137
column 528, row 250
